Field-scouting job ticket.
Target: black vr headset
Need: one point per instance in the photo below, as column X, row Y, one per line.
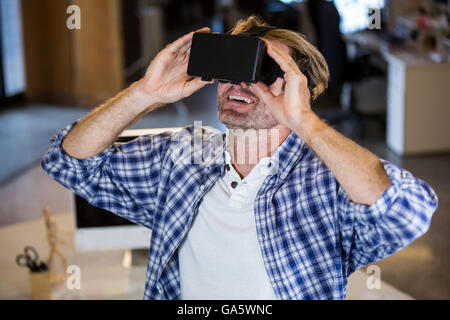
column 233, row 58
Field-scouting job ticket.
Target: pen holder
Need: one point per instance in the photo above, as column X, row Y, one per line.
column 40, row 285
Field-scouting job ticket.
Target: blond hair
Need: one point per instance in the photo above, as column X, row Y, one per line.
column 309, row 60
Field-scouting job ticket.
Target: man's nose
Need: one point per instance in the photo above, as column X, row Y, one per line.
column 243, row 85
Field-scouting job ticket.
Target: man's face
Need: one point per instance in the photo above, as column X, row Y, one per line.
column 240, row 107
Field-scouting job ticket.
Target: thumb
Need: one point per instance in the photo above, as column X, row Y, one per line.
column 191, row 86
column 264, row 92
column 273, row 102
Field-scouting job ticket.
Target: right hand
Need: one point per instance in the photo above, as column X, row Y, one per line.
column 166, row 78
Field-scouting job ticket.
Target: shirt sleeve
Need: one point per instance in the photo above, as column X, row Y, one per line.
column 401, row 215
column 121, row 179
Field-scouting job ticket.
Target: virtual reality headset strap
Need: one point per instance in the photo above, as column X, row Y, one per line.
column 257, row 31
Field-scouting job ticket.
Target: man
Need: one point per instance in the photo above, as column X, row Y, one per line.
column 294, row 224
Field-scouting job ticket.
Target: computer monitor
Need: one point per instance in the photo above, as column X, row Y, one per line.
column 98, row 229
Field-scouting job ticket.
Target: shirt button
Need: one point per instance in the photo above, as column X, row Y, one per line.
column 234, row 184
column 227, row 166
column 202, row 187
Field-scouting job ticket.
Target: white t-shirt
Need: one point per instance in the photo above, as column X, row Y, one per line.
column 220, row 258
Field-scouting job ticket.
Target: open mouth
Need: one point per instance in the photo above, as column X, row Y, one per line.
column 239, row 103
column 241, row 99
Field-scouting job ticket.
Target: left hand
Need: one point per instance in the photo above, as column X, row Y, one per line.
column 292, row 106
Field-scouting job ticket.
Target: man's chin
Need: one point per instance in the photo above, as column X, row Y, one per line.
column 232, row 125
column 244, row 123
column 233, row 120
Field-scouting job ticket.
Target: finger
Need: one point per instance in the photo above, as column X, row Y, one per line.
column 166, row 56
column 188, row 52
column 194, row 85
column 204, row 29
column 178, row 63
column 273, row 102
column 181, row 51
column 263, row 91
column 181, row 55
column 187, row 47
column 184, row 53
column 175, row 46
column 283, row 59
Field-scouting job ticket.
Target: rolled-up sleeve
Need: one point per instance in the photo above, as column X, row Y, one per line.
column 400, row 216
column 121, row 179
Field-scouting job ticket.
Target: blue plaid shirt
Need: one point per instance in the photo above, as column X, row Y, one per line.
column 311, row 235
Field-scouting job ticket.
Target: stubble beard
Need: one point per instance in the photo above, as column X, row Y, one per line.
column 257, row 118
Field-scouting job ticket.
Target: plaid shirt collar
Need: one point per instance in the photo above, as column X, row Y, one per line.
column 285, row 157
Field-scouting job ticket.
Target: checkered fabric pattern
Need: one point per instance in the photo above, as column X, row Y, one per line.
column 311, row 235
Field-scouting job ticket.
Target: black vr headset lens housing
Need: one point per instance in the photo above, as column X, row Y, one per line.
column 233, row 58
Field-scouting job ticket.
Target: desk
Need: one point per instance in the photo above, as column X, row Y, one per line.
column 418, row 96
column 418, row 105
column 102, row 273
